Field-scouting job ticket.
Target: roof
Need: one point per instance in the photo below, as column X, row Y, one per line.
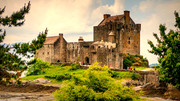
column 111, row 18
column 51, row 40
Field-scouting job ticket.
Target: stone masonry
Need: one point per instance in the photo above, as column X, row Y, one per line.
column 113, row 37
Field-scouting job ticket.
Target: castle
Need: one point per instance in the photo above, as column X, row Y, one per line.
column 113, row 37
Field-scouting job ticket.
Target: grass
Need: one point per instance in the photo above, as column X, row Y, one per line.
column 53, row 71
column 58, row 74
column 139, row 67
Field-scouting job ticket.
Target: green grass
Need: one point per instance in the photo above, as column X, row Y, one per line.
column 54, row 70
column 65, row 73
column 139, row 67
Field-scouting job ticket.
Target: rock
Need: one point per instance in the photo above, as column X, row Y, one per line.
column 42, row 81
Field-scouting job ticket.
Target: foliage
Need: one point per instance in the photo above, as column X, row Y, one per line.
column 10, row 61
column 37, row 67
column 96, row 84
column 134, row 60
column 75, row 66
column 127, row 63
column 59, row 77
column 16, row 19
column 25, row 48
column 135, row 76
column 168, row 50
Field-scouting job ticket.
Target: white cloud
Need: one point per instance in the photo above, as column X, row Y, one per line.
column 155, row 13
column 60, row 16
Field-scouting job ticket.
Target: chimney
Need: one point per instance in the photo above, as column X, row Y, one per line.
column 80, row 39
column 127, row 17
column 60, row 34
column 106, row 16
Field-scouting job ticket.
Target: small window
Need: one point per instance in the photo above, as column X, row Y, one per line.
column 47, row 53
column 43, row 53
column 129, row 40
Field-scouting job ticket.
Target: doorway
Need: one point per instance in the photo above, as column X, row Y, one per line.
column 87, row 61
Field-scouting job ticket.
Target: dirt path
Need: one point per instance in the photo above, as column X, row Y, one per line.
column 29, row 92
column 14, row 96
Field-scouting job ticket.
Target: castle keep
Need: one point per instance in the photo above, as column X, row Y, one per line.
column 114, row 36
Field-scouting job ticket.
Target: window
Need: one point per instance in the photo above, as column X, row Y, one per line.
column 47, row 53
column 43, row 53
column 129, row 40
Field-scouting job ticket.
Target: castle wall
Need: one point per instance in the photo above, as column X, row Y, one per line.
column 46, row 53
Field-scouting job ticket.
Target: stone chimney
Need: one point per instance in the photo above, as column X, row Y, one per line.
column 127, row 17
column 80, row 39
column 61, row 35
column 106, row 16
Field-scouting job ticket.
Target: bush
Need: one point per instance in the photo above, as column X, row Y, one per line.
column 62, row 65
column 75, row 67
column 126, row 63
column 64, row 76
column 96, row 84
column 59, row 77
column 37, row 67
column 135, row 76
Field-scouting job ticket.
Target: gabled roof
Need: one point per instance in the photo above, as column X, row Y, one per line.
column 51, row 40
column 111, row 18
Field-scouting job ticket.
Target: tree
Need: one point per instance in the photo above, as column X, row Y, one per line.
column 168, row 50
column 11, row 61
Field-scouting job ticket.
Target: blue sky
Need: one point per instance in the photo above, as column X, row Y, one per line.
column 76, row 18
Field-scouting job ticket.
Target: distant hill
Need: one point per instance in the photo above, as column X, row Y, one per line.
column 152, row 65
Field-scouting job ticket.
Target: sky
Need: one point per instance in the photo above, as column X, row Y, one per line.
column 76, row 18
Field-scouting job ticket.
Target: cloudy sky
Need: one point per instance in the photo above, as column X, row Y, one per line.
column 76, row 18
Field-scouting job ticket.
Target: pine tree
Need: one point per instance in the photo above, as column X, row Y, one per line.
column 168, row 50
column 11, row 61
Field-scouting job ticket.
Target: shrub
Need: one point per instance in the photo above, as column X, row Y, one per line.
column 64, row 76
column 126, row 63
column 75, row 67
column 37, row 67
column 113, row 73
column 62, row 65
column 96, row 84
column 59, row 77
column 135, row 76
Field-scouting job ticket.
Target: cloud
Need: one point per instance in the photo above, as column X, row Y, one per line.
column 60, row 16
column 153, row 14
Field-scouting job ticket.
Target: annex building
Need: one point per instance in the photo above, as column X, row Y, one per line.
column 113, row 37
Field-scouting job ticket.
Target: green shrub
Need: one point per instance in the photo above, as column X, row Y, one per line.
column 135, row 76
column 62, row 65
column 96, row 84
column 126, row 63
column 75, row 66
column 64, row 76
column 113, row 73
column 59, row 77
column 37, row 67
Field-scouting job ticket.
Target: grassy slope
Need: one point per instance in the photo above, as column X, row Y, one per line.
column 58, row 70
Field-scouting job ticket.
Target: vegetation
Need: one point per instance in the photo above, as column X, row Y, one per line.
column 11, row 61
column 8, row 60
column 37, row 67
column 95, row 84
column 134, row 60
column 168, row 50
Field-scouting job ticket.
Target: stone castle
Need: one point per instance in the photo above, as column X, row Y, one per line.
column 113, row 37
